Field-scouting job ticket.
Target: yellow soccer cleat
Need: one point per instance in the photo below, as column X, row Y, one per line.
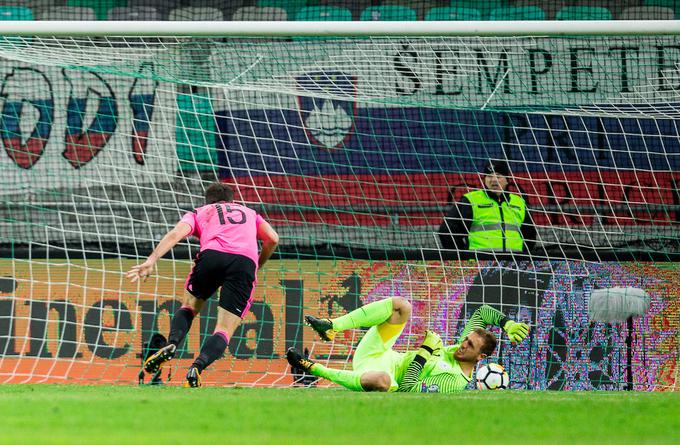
column 155, row 362
column 297, row 361
column 322, row 326
column 193, row 379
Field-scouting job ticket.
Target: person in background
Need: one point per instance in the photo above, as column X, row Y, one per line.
column 491, row 219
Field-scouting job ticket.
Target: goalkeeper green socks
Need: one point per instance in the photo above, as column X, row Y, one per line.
column 366, row 316
column 349, row 379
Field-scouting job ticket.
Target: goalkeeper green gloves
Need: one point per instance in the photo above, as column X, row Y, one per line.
column 431, row 345
column 516, row 331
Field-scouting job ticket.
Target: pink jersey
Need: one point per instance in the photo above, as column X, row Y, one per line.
column 226, row 227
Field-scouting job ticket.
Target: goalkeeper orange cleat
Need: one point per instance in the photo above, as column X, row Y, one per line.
column 155, row 362
column 322, row 326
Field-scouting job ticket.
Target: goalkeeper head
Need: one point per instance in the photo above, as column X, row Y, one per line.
column 476, row 346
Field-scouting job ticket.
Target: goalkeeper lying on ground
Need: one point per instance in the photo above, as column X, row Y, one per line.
column 432, row 368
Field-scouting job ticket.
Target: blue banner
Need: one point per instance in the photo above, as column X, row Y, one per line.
column 426, row 140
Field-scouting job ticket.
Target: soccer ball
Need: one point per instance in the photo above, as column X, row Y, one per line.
column 492, row 376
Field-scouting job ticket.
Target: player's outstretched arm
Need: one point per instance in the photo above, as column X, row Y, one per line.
column 485, row 315
column 270, row 239
column 177, row 234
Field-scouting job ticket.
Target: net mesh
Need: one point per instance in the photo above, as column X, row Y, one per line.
column 353, row 149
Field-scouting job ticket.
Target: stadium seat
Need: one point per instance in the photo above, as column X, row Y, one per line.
column 356, row 6
column 549, row 8
column 290, row 6
column 38, row 4
column 665, row 3
column 196, row 13
column 100, row 7
column 672, row 4
column 163, row 7
column 453, row 13
column 195, row 133
column 584, row 13
column 388, row 13
column 158, row 4
column 421, row 7
column 617, row 7
column 647, row 13
column 133, row 13
column 255, row 13
column 66, row 13
column 323, row 13
column 484, row 7
column 15, row 13
column 518, row 13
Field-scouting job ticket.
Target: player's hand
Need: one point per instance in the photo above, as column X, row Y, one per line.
column 140, row 271
column 432, row 343
column 516, row 331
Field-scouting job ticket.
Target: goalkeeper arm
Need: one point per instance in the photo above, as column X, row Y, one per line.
column 443, row 383
column 485, row 315
column 431, row 346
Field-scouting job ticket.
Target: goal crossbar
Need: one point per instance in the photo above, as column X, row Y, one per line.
column 333, row 28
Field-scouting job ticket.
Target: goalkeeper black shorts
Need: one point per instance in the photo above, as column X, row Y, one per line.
column 235, row 274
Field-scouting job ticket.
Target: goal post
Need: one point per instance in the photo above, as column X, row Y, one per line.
column 540, row 28
column 353, row 147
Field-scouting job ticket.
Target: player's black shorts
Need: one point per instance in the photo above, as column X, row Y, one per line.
column 234, row 273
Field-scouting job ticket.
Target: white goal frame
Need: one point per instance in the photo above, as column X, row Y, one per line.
column 333, row 28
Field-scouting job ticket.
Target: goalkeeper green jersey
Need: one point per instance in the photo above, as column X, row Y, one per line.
column 442, row 373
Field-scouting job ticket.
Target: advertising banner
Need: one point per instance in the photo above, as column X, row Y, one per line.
column 66, row 128
column 83, row 322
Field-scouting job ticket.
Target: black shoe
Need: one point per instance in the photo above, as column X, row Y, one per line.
column 193, row 378
column 155, row 362
column 297, row 361
column 322, row 326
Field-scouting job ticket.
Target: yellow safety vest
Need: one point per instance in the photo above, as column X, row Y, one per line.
column 496, row 227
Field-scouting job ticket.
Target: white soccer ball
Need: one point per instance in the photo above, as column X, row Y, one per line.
column 492, row 376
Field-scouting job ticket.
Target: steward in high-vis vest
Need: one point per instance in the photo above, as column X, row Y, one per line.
column 491, row 219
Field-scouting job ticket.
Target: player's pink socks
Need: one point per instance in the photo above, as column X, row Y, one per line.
column 190, row 309
column 366, row 316
column 224, row 335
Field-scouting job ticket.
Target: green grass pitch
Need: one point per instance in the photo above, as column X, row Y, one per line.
column 72, row 414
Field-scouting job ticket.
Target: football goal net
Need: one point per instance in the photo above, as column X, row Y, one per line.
column 353, row 141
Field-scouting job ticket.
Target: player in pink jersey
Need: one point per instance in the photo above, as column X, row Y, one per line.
column 228, row 258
